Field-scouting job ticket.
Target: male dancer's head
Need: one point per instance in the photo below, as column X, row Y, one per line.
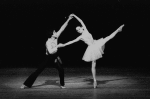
column 55, row 34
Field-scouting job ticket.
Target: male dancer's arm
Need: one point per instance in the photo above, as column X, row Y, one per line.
column 46, row 51
column 63, row 26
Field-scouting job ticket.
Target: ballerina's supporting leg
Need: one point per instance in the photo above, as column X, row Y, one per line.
column 94, row 73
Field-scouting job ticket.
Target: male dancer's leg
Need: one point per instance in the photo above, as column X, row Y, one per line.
column 60, row 70
column 31, row 79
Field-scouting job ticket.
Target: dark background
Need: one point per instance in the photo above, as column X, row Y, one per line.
column 25, row 25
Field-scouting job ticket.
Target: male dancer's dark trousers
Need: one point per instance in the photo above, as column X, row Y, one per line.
column 31, row 79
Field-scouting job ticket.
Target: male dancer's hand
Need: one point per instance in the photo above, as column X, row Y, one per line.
column 70, row 17
column 60, row 45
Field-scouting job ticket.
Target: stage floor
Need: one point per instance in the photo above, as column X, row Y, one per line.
column 112, row 84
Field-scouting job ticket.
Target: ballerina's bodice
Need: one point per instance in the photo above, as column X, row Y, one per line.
column 87, row 38
column 95, row 48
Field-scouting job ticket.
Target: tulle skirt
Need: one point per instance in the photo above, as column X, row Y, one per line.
column 94, row 51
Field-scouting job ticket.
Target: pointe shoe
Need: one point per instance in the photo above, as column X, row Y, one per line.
column 62, row 87
column 95, row 84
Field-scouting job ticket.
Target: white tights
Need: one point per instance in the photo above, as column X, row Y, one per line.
column 94, row 70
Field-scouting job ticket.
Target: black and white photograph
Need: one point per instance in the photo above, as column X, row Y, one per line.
column 74, row 49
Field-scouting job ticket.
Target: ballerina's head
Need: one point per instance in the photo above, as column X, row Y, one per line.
column 80, row 29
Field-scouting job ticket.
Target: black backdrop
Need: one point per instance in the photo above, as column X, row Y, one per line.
column 26, row 25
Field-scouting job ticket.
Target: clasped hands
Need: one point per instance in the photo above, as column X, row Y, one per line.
column 71, row 16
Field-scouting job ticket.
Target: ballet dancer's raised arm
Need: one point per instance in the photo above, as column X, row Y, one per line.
column 113, row 34
column 82, row 23
column 63, row 26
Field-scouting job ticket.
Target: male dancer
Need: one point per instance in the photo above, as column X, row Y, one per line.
column 51, row 48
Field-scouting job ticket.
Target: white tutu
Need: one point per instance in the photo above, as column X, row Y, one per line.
column 94, row 51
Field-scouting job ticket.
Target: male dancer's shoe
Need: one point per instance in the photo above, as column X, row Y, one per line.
column 23, row 86
column 62, row 87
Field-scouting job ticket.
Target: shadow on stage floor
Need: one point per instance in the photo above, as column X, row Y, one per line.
column 112, row 84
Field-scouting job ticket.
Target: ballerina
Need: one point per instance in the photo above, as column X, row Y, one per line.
column 95, row 48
